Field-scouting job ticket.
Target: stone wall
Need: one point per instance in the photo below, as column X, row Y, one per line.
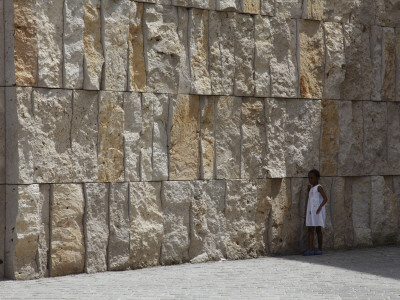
column 139, row 133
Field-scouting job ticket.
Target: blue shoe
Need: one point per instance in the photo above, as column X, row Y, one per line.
column 318, row 252
column 308, row 253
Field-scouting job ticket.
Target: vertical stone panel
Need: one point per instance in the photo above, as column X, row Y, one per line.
column 2, row 137
column 263, row 39
column 376, row 42
column 227, row 137
column 393, row 138
column 146, row 224
column 67, row 253
column 222, row 27
column 184, row 151
column 329, row 149
column 96, row 226
column 339, row 213
column 268, row 7
column 73, row 44
column 387, row 13
column 328, row 235
column 244, row 56
column 205, row 4
column 312, row 58
column 389, row 64
column 396, row 190
column 361, row 200
column 111, row 129
column 207, row 141
column 115, row 31
column 251, row 6
column 228, row 5
column 297, row 218
column 3, row 227
column 93, row 49
column 199, row 68
column 397, row 32
column 313, row 9
column 289, row 9
column 184, row 64
column 118, row 243
column 2, row 53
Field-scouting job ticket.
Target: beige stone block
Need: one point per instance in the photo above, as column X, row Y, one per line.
column 263, row 56
column 268, row 7
column 341, row 213
column 198, row 52
column 73, row 44
column 184, row 158
column 67, row 253
column 207, row 140
column 96, row 226
column 27, row 235
column 115, row 32
column 222, row 26
column 111, row 137
column 328, row 230
column 252, row 6
column 289, row 9
column 184, row 63
column 2, row 225
column 312, row 58
column 296, row 219
column 361, row 211
column 396, row 190
column 93, row 48
column 329, row 148
column 389, row 64
column 334, row 60
column 354, row 11
column 228, row 5
column 118, row 243
column 2, row 137
column 244, row 56
column 376, row 41
column 387, row 13
column 227, row 137
column 132, row 132
column 205, row 4
column 254, row 139
column 397, row 33
column 393, row 138
column 313, row 9
column 146, row 224
column 137, row 67
column 2, row 53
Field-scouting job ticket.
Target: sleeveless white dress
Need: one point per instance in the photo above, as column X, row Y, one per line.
column 314, row 201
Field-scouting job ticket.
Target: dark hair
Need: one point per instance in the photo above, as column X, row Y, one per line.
column 315, row 172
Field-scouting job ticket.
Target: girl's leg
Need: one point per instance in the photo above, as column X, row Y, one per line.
column 311, row 238
column 319, row 234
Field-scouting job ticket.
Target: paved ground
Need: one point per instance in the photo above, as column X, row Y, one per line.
column 352, row 274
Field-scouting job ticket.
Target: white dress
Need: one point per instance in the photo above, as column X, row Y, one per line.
column 314, row 201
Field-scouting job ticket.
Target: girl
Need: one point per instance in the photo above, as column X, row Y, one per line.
column 315, row 218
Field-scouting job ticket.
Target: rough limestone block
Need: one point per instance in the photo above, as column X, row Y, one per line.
column 297, row 220
column 163, row 48
column 207, row 141
column 50, row 28
column 244, row 56
column 328, row 235
column 393, row 138
column 268, row 7
column 361, row 200
column 205, row 4
column 93, row 48
column 263, row 55
column 313, row 9
column 254, row 139
column 384, row 211
column 73, row 44
column 184, row 63
column 2, row 225
column 375, row 137
column 303, row 136
column 96, row 226
column 276, row 119
column 334, row 61
column 312, row 58
column 228, row 5
column 118, row 243
column 207, row 221
column 132, row 131
column 27, row 236
column 376, row 43
column 251, row 6
column 341, row 214
column 397, row 32
column 389, row 64
column 111, row 137
column 184, row 158
column 84, row 134
column 289, row 9
column 115, row 32
column 357, row 82
column 20, row 128
column 396, row 190
column 146, row 137
column 199, row 61
column 137, row 67
column 67, row 253
column 2, row 137
column 2, row 56
column 329, row 148
column 387, row 13
column 247, row 209
column 351, row 136
column 227, row 137
column 52, row 140
column 176, row 198
column 146, row 224
column 222, row 27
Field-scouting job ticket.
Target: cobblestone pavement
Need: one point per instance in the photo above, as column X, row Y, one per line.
column 352, row 274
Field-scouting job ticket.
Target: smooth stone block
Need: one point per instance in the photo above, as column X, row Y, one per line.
column 361, row 211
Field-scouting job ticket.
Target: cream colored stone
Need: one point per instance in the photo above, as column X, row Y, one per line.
column 111, row 137
column 329, row 148
column 254, row 143
column 184, row 63
column 199, row 69
column 389, row 64
column 393, row 138
column 146, row 224
column 251, row 6
column 67, row 253
column 313, row 9
column 146, row 138
column 268, row 7
column 227, row 137
column 289, row 9
column 361, row 199
column 228, row 5
column 118, row 243
column 93, row 48
column 184, row 158
column 207, row 141
column 312, row 58
column 263, row 55
column 73, row 44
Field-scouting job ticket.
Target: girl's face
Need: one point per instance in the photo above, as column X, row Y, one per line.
column 312, row 179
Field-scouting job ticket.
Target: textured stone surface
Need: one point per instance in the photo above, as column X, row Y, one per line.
column 328, row 235
column 3, row 225
column 96, row 226
column 67, row 253
column 268, row 7
column 184, row 158
column 111, row 136
column 397, row 32
column 393, row 138
column 341, row 213
column 206, row 4
column 388, row 13
column 207, row 141
column 313, row 9
column 146, row 224
column 251, row 6
column 289, row 9
column 312, row 58
column 227, row 137
column 389, row 64
column 2, row 137
column 184, row 63
column 329, row 149
column 297, row 215
column 228, row 5
column 361, row 200
column 118, row 243
column 263, row 38
column 2, row 57
column 376, row 42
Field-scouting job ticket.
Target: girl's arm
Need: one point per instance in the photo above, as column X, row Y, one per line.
column 321, row 191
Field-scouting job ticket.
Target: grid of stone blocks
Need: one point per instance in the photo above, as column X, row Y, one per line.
column 159, row 132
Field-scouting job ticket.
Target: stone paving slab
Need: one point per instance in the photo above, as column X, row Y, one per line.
column 351, row 274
